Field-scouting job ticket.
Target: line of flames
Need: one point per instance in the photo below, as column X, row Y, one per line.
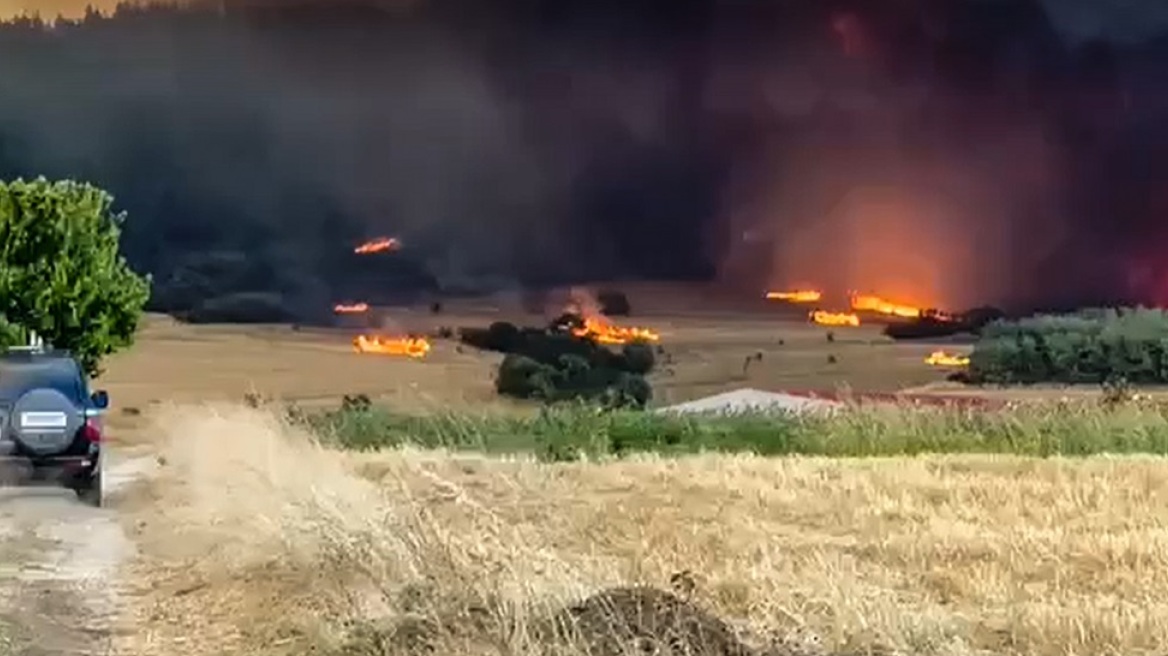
column 858, row 303
column 870, row 303
column 796, row 296
column 945, row 359
column 825, row 318
column 379, row 245
column 607, row 333
column 596, row 329
column 414, row 347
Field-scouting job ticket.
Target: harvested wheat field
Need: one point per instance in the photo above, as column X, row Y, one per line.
column 704, row 355
column 254, row 539
column 271, row 544
column 173, row 362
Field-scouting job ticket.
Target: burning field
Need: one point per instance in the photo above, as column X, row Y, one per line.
column 857, row 305
column 582, row 316
column 468, row 532
column 431, row 463
column 379, row 336
column 380, row 331
column 460, row 522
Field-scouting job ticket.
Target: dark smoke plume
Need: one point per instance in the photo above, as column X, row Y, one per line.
column 948, row 152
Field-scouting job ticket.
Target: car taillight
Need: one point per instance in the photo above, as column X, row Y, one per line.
column 91, row 431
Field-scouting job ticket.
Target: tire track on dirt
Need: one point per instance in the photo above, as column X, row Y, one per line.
column 59, row 564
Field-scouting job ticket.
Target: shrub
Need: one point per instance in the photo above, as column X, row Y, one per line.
column 356, row 403
column 550, row 348
column 521, row 377
column 566, row 323
column 613, row 303
column 502, row 336
column 925, row 328
column 62, row 274
column 630, row 391
column 931, row 326
column 554, row 364
column 572, row 376
column 639, row 357
column 980, row 317
column 1088, row 347
column 560, row 367
column 475, row 337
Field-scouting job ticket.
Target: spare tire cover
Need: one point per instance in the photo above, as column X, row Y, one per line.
column 44, row 421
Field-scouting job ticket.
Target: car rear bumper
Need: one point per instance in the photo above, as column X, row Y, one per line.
column 61, row 470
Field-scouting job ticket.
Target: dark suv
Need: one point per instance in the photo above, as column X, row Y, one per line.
column 50, row 423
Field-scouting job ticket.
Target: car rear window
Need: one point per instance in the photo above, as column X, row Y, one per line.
column 16, row 378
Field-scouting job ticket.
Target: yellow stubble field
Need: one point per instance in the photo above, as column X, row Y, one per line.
column 268, row 543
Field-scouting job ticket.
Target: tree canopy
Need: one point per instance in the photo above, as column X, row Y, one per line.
column 61, row 271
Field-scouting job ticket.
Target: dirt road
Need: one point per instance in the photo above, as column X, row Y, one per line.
column 59, row 561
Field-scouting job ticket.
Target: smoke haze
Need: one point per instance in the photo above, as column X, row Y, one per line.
column 944, row 153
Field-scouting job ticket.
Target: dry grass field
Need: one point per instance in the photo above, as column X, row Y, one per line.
column 254, row 540
column 266, row 538
column 180, row 363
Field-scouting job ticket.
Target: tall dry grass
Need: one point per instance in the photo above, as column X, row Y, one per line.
column 255, row 540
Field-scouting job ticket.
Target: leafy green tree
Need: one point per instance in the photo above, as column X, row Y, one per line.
column 10, row 333
column 61, row 272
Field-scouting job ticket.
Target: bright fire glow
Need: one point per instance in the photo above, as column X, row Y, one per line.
column 378, row 245
column 944, row 359
column 414, row 347
column 796, row 296
column 869, row 303
column 607, row 333
column 824, row 318
column 355, row 308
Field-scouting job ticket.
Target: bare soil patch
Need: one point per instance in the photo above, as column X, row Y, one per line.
column 60, row 585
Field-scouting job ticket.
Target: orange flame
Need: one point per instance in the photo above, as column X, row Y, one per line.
column 868, row 303
column 607, row 333
column 378, row 245
column 834, row 318
column 797, row 296
column 355, row 308
column 414, row 347
column 943, row 359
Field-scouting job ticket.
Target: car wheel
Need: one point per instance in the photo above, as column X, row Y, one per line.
column 89, row 491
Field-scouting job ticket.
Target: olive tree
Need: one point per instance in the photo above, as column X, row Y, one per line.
column 61, row 272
